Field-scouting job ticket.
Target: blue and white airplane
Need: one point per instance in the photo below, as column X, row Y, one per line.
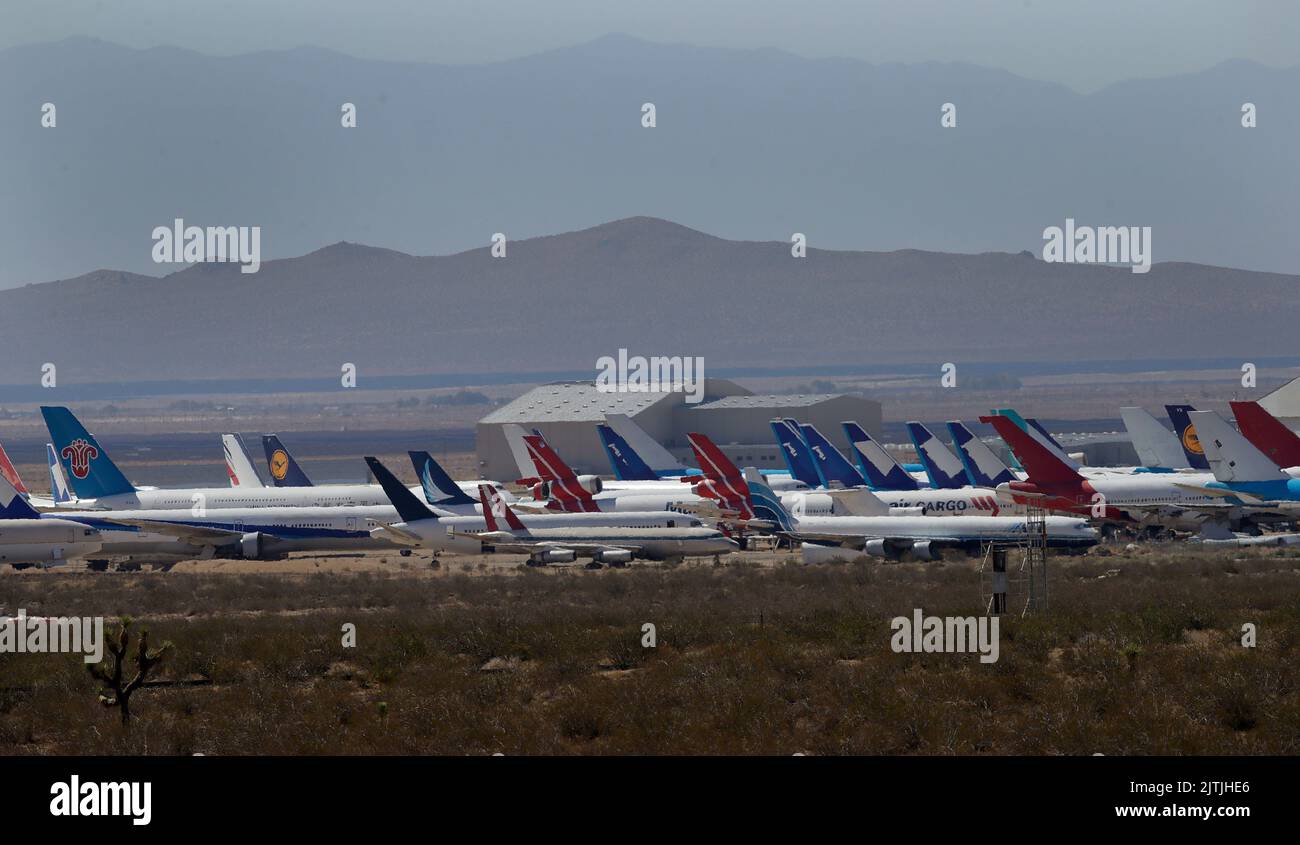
column 94, row 476
column 944, row 469
column 807, row 451
column 1241, row 471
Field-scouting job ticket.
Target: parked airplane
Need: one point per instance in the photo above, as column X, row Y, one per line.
column 944, row 469
column 968, row 501
column 94, row 476
column 1187, row 438
column 1054, row 482
column 1268, row 434
column 617, row 546
column 238, row 466
column 1157, row 447
column 1241, row 471
column 653, row 460
column 871, row 529
column 420, row 526
column 983, row 467
column 284, row 470
column 29, row 539
column 556, row 487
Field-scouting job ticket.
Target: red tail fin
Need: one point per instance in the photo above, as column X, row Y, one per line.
column 550, row 466
column 1042, row 465
column 495, row 507
column 725, row 482
column 1267, row 433
column 713, row 463
column 11, row 474
column 566, row 490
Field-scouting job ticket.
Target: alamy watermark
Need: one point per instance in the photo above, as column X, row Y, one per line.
column 639, row 374
column 1073, row 244
column 181, row 244
column 922, row 634
column 23, row 634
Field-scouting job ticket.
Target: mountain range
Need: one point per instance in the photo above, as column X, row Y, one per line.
column 559, row 302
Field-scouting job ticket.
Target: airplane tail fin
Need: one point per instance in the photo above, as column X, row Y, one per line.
column 409, row 508
column 1156, row 445
column 797, row 456
column 238, row 466
column 58, row 484
column 565, row 486
column 1231, row 456
column 514, row 434
column 10, row 474
column 91, row 471
column 626, row 463
column 439, row 489
column 880, row 470
column 832, row 465
column 764, row 502
column 1267, row 433
column 983, row 467
column 1185, row 431
column 659, row 459
column 547, row 463
column 14, row 505
column 945, row 470
column 1041, row 461
column 712, row 460
column 496, row 510
column 285, row 471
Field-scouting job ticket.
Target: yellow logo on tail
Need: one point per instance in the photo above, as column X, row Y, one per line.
column 279, row 465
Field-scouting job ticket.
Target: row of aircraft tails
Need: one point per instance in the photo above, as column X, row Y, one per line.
column 1205, row 477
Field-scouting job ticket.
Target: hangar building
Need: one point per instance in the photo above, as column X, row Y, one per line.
column 734, row 417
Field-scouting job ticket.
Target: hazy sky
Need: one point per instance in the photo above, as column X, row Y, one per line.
column 1083, row 44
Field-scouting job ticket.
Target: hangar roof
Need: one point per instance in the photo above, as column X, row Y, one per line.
column 581, row 401
column 766, row 400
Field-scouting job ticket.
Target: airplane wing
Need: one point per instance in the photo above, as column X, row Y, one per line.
column 1223, row 494
column 193, row 533
column 400, row 536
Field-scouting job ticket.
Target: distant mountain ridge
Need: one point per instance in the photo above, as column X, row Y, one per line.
column 748, row 143
column 559, row 302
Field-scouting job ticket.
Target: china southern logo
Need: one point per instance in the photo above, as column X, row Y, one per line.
column 279, row 465
column 79, row 454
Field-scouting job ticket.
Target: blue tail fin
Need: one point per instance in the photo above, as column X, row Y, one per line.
column 89, row 469
column 765, row 503
column 982, row 466
column 58, row 483
column 945, row 471
column 832, row 465
column 284, row 470
column 796, row 453
column 439, row 489
column 12, row 503
column 880, row 470
column 627, row 464
column 409, row 508
column 1186, row 434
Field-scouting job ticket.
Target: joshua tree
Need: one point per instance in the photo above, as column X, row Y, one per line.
column 116, row 693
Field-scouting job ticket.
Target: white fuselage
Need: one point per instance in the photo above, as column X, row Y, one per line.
column 46, row 541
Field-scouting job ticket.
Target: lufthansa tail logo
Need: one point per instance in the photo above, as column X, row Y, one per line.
column 1191, row 442
column 279, row 464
